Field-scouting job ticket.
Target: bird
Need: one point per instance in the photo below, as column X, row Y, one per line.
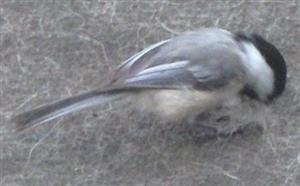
column 183, row 76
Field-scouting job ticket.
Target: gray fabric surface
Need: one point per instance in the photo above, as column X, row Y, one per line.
column 52, row 49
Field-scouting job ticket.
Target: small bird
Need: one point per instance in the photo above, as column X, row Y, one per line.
column 183, row 76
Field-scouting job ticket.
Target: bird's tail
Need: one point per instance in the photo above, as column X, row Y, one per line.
column 63, row 107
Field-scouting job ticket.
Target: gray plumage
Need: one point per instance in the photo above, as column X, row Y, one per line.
column 192, row 71
column 200, row 58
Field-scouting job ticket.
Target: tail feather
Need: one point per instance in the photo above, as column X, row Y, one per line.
column 63, row 107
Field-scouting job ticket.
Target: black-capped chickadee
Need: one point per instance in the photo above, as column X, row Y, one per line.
column 183, row 76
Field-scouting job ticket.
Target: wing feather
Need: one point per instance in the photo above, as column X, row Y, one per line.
column 199, row 60
column 172, row 75
column 137, row 62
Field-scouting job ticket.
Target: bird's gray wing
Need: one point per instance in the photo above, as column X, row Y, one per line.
column 181, row 62
column 184, row 75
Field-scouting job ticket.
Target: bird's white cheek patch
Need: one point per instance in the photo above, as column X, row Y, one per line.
column 260, row 75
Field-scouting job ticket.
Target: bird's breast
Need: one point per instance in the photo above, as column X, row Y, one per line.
column 175, row 105
column 179, row 104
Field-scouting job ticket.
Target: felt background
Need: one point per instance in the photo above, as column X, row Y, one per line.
column 51, row 49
